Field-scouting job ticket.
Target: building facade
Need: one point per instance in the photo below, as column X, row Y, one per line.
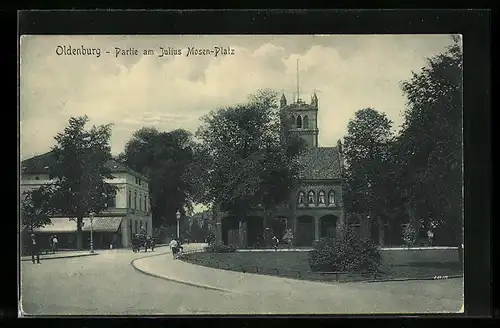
column 126, row 213
column 315, row 209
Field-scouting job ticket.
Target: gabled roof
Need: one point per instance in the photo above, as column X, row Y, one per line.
column 321, row 163
column 40, row 164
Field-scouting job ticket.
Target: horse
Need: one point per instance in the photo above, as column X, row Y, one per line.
column 137, row 242
column 143, row 241
column 149, row 243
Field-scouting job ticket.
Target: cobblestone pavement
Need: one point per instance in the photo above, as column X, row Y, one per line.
column 108, row 284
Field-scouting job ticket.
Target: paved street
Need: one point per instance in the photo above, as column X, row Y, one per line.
column 108, row 284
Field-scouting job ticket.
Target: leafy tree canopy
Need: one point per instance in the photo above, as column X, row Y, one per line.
column 36, row 208
column 248, row 159
column 164, row 157
column 367, row 153
column 80, row 171
column 429, row 149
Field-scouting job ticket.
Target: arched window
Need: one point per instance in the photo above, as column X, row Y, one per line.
column 310, row 197
column 299, row 121
column 331, row 197
column 305, row 122
column 300, row 198
column 321, row 197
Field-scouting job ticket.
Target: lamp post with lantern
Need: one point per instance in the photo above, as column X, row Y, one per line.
column 178, row 216
column 91, row 218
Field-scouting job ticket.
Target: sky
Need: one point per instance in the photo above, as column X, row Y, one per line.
column 349, row 72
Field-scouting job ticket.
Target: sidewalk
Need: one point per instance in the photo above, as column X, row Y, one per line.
column 60, row 255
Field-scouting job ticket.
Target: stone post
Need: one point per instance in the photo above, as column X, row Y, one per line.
column 242, row 234
column 381, row 231
column 316, row 229
column 342, row 225
column 218, row 231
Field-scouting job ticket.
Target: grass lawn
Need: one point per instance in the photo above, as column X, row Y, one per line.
column 295, row 265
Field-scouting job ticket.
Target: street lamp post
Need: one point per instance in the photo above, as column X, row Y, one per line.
column 91, row 217
column 178, row 216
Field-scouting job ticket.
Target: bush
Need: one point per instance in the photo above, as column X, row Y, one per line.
column 288, row 237
column 221, row 248
column 409, row 235
column 345, row 254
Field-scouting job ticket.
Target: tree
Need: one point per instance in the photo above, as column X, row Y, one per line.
column 36, row 208
column 164, row 157
column 79, row 171
column 430, row 144
column 367, row 149
column 248, row 160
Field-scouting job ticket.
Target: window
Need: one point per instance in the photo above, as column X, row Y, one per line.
column 112, row 201
column 321, row 197
column 145, row 203
column 140, row 201
column 135, row 199
column 299, row 121
column 129, row 199
column 331, row 197
column 37, row 178
column 310, row 197
column 146, row 227
column 130, row 227
column 305, row 122
column 135, row 224
column 301, row 197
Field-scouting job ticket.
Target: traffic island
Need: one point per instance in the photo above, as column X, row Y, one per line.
column 295, row 265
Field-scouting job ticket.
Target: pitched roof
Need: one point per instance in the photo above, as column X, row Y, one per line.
column 321, row 163
column 41, row 164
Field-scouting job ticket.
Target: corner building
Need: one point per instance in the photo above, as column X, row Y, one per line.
column 126, row 213
column 315, row 209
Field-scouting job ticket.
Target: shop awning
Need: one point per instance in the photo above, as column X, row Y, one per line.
column 65, row 225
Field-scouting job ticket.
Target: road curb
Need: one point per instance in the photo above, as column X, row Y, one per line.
column 60, row 257
column 343, row 282
column 184, row 282
column 422, row 278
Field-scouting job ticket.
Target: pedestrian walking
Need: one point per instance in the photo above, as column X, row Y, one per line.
column 430, row 235
column 276, row 242
column 54, row 244
column 180, row 249
column 174, row 246
column 50, row 244
column 35, row 249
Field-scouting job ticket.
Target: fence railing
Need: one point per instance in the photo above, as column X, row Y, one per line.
column 300, row 274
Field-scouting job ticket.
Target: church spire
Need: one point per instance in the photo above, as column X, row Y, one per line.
column 314, row 99
column 283, row 100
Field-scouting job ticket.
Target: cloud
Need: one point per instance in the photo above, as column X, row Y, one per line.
column 349, row 72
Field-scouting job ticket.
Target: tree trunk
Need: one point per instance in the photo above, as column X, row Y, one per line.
column 79, row 235
column 381, row 230
column 242, row 231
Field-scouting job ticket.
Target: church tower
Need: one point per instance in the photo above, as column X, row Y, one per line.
column 303, row 116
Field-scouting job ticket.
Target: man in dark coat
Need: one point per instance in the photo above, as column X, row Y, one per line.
column 35, row 249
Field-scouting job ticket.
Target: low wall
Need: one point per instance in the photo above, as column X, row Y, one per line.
column 403, row 256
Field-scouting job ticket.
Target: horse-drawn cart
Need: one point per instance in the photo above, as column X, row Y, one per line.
column 140, row 240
